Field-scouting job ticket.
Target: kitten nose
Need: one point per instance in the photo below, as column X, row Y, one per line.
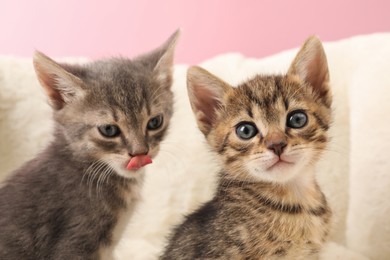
column 139, row 152
column 138, row 149
column 276, row 143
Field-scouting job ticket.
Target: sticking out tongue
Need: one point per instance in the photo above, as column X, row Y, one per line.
column 138, row 161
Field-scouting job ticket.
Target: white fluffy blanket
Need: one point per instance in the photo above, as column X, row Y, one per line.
column 354, row 173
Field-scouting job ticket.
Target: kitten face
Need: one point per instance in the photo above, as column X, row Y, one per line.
column 119, row 116
column 112, row 110
column 272, row 127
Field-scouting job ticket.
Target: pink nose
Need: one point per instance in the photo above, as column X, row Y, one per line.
column 276, row 142
column 138, row 161
column 277, row 148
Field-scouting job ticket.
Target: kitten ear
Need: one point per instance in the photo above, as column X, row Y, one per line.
column 206, row 93
column 310, row 65
column 164, row 65
column 60, row 85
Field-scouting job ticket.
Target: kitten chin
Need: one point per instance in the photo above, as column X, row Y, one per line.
column 120, row 170
column 118, row 164
column 289, row 167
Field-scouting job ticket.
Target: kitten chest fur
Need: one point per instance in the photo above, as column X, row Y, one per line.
column 66, row 210
column 255, row 221
column 278, row 222
column 131, row 198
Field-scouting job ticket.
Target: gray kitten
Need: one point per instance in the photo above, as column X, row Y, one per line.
column 73, row 200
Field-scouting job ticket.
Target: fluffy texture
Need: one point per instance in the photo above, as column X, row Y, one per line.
column 353, row 173
column 268, row 132
column 74, row 198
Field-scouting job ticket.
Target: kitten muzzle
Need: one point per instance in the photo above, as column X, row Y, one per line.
column 138, row 161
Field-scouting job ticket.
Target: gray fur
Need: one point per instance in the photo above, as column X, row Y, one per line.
column 66, row 203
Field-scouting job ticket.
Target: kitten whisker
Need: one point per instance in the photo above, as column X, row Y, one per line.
column 297, row 90
column 87, row 171
column 96, row 171
column 157, row 97
column 153, row 98
column 106, row 177
column 93, row 173
column 99, row 179
column 331, row 150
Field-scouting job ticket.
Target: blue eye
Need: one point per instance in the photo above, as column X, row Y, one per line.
column 155, row 122
column 109, row 130
column 246, row 130
column 296, row 119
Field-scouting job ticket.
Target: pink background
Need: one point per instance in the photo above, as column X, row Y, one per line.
column 94, row 28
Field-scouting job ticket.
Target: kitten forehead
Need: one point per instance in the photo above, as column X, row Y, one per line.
column 265, row 94
column 265, row 90
column 125, row 84
column 267, row 100
column 118, row 73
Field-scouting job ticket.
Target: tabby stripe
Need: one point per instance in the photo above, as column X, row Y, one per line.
column 157, row 138
column 145, row 99
column 276, row 93
column 286, row 208
column 318, row 211
column 231, row 159
column 321, row 123
column 249, row 111
column 271, row 237
column 286, row 103
column 241, row 149
column 324, row 97
column 321, row 210
column 250, row 204
column 124, row 140
column 227, row 183
column 291, row 209
column 222, row 149
column 105, row 145
column 82, row 130
column 114, row 115
column 252, row 97
column 280, row 252
column 308, row 134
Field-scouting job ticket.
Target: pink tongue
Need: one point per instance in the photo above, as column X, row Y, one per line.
column 138, row 161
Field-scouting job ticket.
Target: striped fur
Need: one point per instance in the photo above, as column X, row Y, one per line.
column 267, row 206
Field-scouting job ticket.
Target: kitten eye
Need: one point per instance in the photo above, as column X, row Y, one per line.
column 109, row 130
column 246, row 130
column 296, row 119
column 155, row 122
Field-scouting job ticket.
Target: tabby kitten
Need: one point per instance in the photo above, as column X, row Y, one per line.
column 73, row 200
column 268, row 132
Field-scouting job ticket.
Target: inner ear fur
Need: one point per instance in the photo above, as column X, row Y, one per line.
column 60, row 85
column 206, row 94
column 310, row 65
